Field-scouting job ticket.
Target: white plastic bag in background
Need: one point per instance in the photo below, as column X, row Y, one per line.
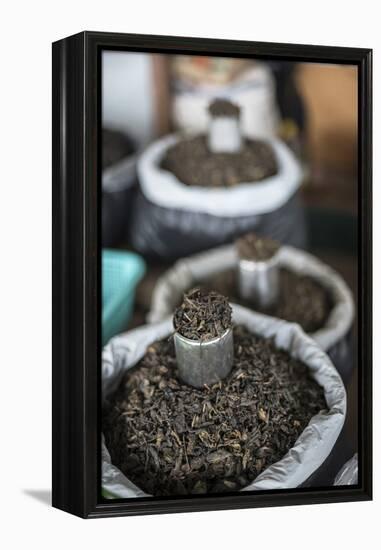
column 348, row 475
column 253, row 90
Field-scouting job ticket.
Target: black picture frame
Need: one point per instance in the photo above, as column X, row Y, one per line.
column 76, row 269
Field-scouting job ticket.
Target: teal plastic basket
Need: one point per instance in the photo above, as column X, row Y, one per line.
column 121, row 272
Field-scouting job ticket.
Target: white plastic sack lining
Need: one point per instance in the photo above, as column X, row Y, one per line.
column 348, row 475
column 189, row 271
column 311, row 448
column 164, row 189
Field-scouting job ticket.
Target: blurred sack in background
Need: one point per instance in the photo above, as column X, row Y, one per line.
column 197, row 80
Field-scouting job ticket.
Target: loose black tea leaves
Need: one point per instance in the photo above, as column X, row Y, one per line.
column 203, row 315
column 253, row 247
column 301, row 299
column 224, row 108
column 171, row 439
column 192, row 162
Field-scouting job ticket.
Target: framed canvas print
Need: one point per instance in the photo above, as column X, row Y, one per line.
column 211, row 274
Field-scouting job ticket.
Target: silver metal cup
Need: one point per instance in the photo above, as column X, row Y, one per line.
column 258, row 282
column 224, row 134
column 201, row 363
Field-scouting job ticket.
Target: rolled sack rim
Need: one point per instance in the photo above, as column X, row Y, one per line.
column 164, row 189
column 194, row 269
column 311, row 448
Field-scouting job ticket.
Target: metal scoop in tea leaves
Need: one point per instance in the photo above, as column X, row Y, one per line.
column 258, row 270
column 203, row 338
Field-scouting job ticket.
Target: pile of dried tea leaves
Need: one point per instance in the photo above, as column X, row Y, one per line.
column 224, row 108
column 203, row 315
column 301, row 299
column 172, row 439
column 191, row 161
column 253, row 247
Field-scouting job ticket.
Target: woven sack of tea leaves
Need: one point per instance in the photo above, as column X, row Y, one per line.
column 334, row 336
column 309, row 450
column 173, row 219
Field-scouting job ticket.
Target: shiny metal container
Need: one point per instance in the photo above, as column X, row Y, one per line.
column 224, row 135
column 201, row 363
column 258, row 282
